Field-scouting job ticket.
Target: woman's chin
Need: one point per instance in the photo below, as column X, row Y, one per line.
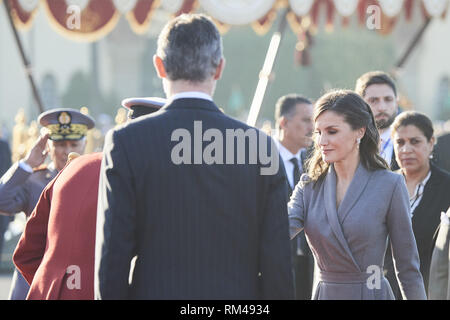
column 327, row 160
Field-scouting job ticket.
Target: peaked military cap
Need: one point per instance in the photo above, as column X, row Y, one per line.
column 142, row 106
column 66, row 123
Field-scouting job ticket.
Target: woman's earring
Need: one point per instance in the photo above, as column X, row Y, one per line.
column 430, row 156
column 358, row 141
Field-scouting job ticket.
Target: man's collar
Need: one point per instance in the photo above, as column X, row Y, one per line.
column 386, row 135
column 191, row 94
column 285, row 154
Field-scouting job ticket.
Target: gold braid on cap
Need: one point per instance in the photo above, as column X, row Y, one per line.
column 70, row 132
column 65, row 130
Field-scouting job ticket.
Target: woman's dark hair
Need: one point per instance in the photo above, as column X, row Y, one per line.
column 357, row 114
column 417, row 119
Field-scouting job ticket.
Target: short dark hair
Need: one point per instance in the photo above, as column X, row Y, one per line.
column 374, row 77
column 286, row 104
column 190, row 47
column 417, row 119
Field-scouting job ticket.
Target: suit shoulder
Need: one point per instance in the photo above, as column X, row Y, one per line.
column 445, row 138
column 441, row 174
column 4, row 144
column 388, row 176
column 42, row 174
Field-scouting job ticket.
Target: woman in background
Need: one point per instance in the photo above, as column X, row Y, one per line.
column 428, row 186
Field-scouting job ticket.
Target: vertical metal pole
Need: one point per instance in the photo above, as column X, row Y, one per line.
column 266, row 71
column 26, row 63
column 413, row 44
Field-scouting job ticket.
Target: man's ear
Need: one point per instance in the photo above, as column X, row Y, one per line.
column 219, row 69
column 282, row 122
column 159, row 67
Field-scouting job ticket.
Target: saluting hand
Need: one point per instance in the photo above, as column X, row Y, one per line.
column 36, row 156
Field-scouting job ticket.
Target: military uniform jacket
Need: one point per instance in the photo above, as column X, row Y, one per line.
column 58, row 242
column 20, row 190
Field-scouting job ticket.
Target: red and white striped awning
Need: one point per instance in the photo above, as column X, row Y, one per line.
column 98, row 17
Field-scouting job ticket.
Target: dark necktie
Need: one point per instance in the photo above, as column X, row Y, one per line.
column 296, row 172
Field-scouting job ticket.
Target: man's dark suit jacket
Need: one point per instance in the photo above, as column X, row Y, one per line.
column 393, row 165
column 198, row 231
column 5, row 163
column 441, row 152
column 425, row 222
column 303, row 264
column 5, row 157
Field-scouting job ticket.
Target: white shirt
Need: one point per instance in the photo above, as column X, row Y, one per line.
column 387, row 146
column 191, row 94
column 445, row 219
column 415, row 199
column 286, row 155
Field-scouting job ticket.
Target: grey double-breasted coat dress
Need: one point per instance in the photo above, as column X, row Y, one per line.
column 349, row 242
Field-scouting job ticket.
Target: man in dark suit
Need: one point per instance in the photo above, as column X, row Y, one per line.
column 197, row 224
column 293, row 117
column 5, row 163
column 378, row 89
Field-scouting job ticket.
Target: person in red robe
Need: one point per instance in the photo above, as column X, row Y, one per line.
column 56, row 251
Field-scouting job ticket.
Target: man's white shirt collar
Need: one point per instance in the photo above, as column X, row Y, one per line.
column 191, row 94
column 286, row 156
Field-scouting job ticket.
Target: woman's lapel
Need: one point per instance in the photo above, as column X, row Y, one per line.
column 359, row 182
column 332, row 214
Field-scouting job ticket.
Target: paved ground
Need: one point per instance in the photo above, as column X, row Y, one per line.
column 5, row 284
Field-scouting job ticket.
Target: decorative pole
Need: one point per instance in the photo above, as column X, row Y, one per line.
column 413, row 44
column 26, row 63
column 266, row 71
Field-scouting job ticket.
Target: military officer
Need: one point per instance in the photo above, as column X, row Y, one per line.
column 72, row 222
column 22, row 184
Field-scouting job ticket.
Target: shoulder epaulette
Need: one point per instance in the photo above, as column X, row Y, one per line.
column 40, row 168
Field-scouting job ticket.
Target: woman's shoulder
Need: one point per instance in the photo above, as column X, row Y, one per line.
column 308, row 183
column 388, row 175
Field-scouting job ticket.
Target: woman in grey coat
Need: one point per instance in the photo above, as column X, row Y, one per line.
column 349, row 203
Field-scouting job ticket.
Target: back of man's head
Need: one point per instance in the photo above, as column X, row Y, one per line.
column 190, row 47
column 285, row 106
column 374, row 77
